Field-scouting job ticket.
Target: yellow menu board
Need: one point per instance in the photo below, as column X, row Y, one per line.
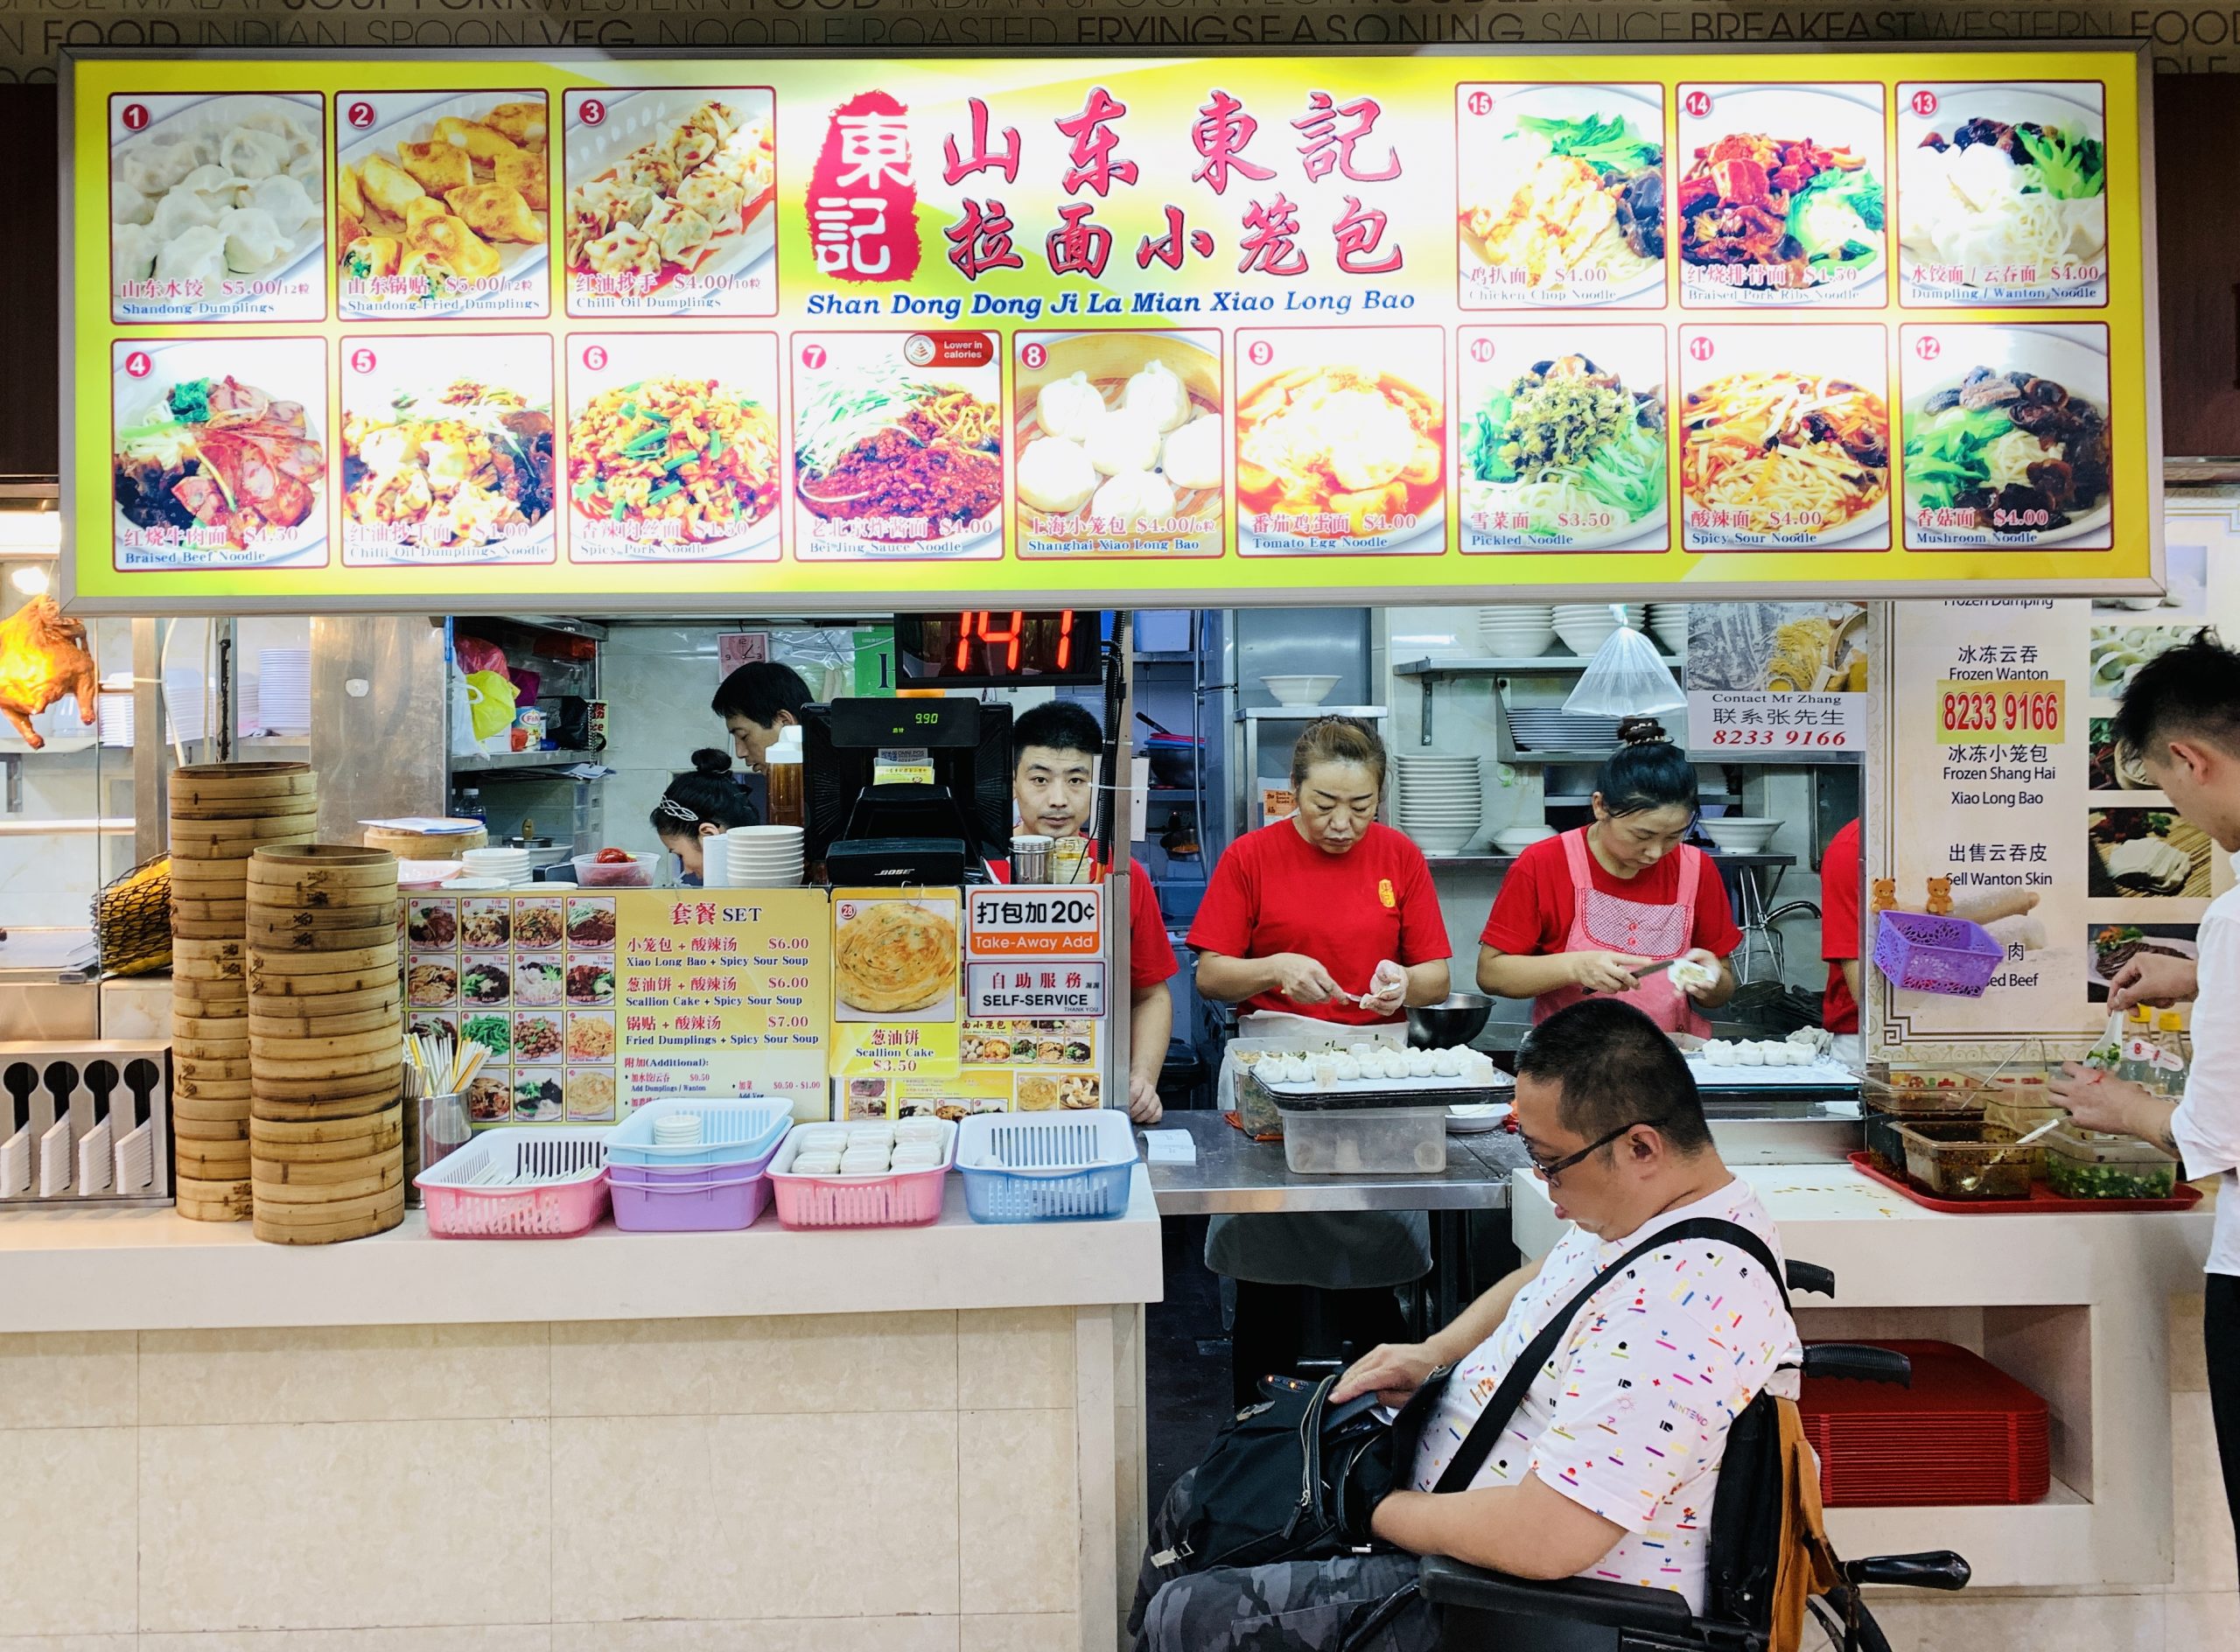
column 399, row 332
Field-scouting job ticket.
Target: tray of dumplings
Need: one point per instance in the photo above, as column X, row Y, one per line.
column 1724, row 1063
column 1375, row 1076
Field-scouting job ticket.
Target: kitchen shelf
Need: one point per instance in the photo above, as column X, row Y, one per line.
column 504, row 762
column 1502, row 863
column 1306, row 713
column 1546, row 665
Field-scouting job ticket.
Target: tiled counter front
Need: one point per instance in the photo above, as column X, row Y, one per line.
column 879, row 1482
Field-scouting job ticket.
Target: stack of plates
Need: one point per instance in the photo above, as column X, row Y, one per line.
column 115, row 710
column 1586, row 627
column 1517, row 631
column 512, row 864
column 1552, row 729
column 762, row 856
column 283, row 690
column 1668, row 621
column 1441, row 802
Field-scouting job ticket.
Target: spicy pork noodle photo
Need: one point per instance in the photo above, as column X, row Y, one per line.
column 682, row 465
column 890, row 460
column 1339, row 458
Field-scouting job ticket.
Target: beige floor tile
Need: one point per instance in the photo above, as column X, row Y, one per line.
column 67, row 1509
column 733, row 1517
column 765, row 1635
column 2072, row 1623
column 354, row 1374
column 69, row 1643
column 2202, row 1518
column 2201, row 1622
column 345, row 1525
column 68, row 1379
column 1021, row 1632
column 482, row 1637
column 1016, row 1357
column 755, row 1367
column 1020, row 1529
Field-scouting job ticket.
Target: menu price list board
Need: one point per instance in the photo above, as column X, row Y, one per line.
column 1844, row 322
column 592, row 1005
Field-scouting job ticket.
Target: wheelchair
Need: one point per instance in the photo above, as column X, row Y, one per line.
column 1481, row 1611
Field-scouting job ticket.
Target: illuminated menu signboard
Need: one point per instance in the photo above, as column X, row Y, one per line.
column 424, row 333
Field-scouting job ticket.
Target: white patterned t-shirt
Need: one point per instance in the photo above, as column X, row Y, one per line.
column 1630, row 1417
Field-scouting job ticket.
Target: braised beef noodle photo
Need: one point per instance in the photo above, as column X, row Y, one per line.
column 217, row 455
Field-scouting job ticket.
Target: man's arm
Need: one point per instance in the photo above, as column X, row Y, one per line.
column 1394, row 1370
column 1151, row 1023
column 1528, row 1530
column 1854, row 980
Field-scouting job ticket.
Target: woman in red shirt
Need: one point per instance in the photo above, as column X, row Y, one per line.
column 1588, row 912
column 1328, row 917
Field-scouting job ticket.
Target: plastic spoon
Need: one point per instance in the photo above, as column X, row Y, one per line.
column 96, row 1148
column 56, row 1141
column 1969, row 1184
column 136, row 1149
column 20, row 1080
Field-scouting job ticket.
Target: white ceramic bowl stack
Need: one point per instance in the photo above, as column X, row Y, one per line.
column 1517, row 631
column 1440, row 802
column 1667, row 623
column 1741, row 834
column 284, row 689
column 510, row 864
column 1300, row 690
column 763, row 857
column 1586, row 627
column 1514, row 840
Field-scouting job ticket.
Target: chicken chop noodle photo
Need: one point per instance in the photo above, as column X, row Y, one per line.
column 892, row 957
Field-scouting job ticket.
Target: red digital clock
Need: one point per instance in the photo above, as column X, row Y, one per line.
column 1000, row 647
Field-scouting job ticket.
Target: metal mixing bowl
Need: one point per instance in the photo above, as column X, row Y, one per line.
column 1456, row 1018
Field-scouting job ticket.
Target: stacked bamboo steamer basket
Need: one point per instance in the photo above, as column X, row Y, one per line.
column 325, row 1044
column 220, row 814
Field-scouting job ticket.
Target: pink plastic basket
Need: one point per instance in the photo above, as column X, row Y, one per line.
column 902, row 1199
column 546, row 1197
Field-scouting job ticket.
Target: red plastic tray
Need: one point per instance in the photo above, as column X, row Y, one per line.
column 2042, row 1201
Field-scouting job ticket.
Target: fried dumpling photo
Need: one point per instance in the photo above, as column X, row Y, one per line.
column 389, row 186
column 469, row 256
column 526, row 172
column 438, row 167
column 496, row 211
column 482, row 144
column 522, row 124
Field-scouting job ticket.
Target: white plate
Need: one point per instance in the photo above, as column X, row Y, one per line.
column 1476, row 1118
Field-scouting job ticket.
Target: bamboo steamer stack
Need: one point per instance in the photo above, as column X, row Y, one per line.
column 325, row 1044
column 220, row 814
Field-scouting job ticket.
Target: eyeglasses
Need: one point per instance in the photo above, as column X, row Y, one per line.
column 1549, row 1171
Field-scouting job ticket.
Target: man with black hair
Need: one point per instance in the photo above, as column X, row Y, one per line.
column 2181, row 718
column 755, row 701
column 1607, row 1466
column 1054, row 749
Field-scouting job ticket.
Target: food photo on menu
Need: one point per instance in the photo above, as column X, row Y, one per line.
column 2007, row 438
column 672, row 202
column 219, row 456
column 1342, row 442
column 441, row 204
column 2003, row 194
column 1772, row 456
column 2112, row 945
column 1564, row 203
column 1118, row 443
column 1562, row 438
column 892, row 458
column 215, row 208
column 1780, row 198
column 2145, row 853
column 894, row 958
column 674, row 450
column 447, row 449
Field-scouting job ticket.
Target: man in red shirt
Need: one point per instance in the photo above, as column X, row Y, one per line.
column 1054, row 749
column 1840, row 930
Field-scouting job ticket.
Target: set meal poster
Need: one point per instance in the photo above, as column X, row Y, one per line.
column 399, row 333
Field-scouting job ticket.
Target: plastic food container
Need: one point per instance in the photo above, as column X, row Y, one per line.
column 896, row 1199
column 734, row 1129
column 1048, row 1166
column 1365, row 1141
column 1968, row 1162
column 553, row 1184
column 696, row 1198
column 1930, row 1093
column 637, row 872
column 2020, row 1112
column 1883, row 1140
column 2080, row 1166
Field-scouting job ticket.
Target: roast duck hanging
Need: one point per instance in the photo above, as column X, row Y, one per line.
column 42, row 658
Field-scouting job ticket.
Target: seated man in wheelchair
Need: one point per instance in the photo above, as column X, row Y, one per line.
column 1606, row 1468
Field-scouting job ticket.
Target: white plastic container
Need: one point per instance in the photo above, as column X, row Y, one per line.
column 1365, row 1141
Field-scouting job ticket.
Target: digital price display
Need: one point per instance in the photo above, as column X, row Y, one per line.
column 1000, row 648
column 2030, row 713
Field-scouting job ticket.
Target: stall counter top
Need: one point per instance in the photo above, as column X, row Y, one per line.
column 119, row 1270
column 1235, row 1173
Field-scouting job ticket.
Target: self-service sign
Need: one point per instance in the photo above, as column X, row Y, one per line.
column 1008, row 921
column 1034, row 990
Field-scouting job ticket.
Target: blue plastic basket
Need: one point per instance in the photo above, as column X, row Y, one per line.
column 1046, row 1166
column 738, row 1129
column 1923, row 954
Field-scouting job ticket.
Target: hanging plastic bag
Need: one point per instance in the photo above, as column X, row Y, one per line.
column 491, row 700
column 1626, row 678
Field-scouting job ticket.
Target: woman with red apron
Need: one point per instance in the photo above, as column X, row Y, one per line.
column 1592, row 911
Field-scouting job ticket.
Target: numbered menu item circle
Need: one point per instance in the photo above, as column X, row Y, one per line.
column 897, row 446
column 215, row 207
column 2007, row 436
column 1561, row 200
column 1119, row 443
column 674, row 451
column 219, row 454
column 672, row 201
column 1782, row 196
column 441, row 203
column 2002, row 194
column 1562, row 438
column 1773, row 457
column 1341, row 441
column 447, row 449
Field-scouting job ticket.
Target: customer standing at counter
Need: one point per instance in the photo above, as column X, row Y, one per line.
column 1839, row 938
column 1589, row 911
column 705, row 804
column 1325, row 917
column 2180, row 717
column 755, row 701
column 1055, row 748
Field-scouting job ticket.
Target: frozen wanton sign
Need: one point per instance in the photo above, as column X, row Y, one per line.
column 411, row 335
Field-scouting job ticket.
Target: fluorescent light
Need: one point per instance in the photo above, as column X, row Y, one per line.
column 31, row 533
column 31, row 579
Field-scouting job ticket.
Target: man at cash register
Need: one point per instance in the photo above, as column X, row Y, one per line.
column 1054, row 749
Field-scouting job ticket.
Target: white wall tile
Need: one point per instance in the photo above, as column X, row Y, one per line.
column 765, row 1634
column 2202, row 1520
column 67, row 1508
column 1016, row 1358
column 68, row 1380
column 1023, row 1632
column 490, row 1637
column 1017, row 1467
column 842, row 1362
column 345, row 1374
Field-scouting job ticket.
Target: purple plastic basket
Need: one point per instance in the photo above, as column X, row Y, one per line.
column 692, row 1199
column 1935, row 954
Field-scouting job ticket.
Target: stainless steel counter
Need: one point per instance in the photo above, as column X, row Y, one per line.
column 1235, row 1173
